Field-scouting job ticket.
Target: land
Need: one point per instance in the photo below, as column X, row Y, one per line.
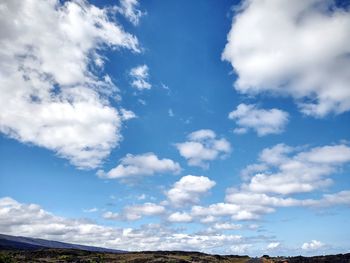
column 83, row 256
column 23, row 249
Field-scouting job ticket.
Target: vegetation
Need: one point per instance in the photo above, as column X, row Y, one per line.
column 82, row 256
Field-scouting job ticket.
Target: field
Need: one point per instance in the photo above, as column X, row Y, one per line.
column 81, row 256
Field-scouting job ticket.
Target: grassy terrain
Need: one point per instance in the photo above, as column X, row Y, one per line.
column 68, row 255
column 81, row 256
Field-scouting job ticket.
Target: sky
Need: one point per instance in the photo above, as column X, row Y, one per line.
column 215, row 126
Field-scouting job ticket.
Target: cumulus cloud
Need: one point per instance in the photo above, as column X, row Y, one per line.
column 305, row 171
column 140, row 77
column 263, row 121
column 312, row 245
column 140, row 165
column 31, row 220
column 178, row 217
column 202, row 146
column 189, row 189
column 129, row 8
column 266, row 38
column 136, row 212
column 51, row 96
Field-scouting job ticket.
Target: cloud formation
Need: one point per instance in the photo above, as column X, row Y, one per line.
column 273, row 47
column 140, row 77
column 312, row 245
column 263, row 121
column 179, row 217
column 129, row 8
column 32, row 220
column 202, row 146
column 189, row 189
column 136, row 212
column 305, row 171
column 140, row 165
column 51, row 96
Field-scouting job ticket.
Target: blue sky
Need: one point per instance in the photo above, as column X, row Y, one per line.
column 198, row 125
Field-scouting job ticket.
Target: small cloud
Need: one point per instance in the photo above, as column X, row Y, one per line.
column 189, row 189
column 140, row 165
column 312, row 245
column 140, row 77
column 227, row 226
column 128, row 8
column 136, row 212
column 141, row 197
column 263, row 121
column 273, row 245
column 142, row 102
column 203, row 146
column 241, row 248
column 178, row 217
column 91, row 210
column 127, row 114
column 171, row 113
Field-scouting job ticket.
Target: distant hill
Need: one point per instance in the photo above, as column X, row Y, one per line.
column 27, row 243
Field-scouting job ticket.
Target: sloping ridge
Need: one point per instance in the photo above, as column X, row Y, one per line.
column 28, row 243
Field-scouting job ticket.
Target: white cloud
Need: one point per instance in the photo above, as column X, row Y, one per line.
column 263, row 121
column 141, row 165
column 127, row 114
column 273, row 245
column 135, row 212
column 171, row 113
column 33, row 221
column 189, row 189
column 246, row 205
column 312, row 245
column 227, row 226
column 215, row 210
column 178, row 217
column 303, row 172
column 241, row 248
column 273, row 47
column 330, row 200
column 202, row 146
column 90, row 210
column 129, row 9
column 50, row 96
column 140, row 77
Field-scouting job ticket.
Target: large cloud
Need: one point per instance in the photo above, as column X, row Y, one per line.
column 297, row 48
column 51, row 96
column 32, row 220
column 281, row 172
